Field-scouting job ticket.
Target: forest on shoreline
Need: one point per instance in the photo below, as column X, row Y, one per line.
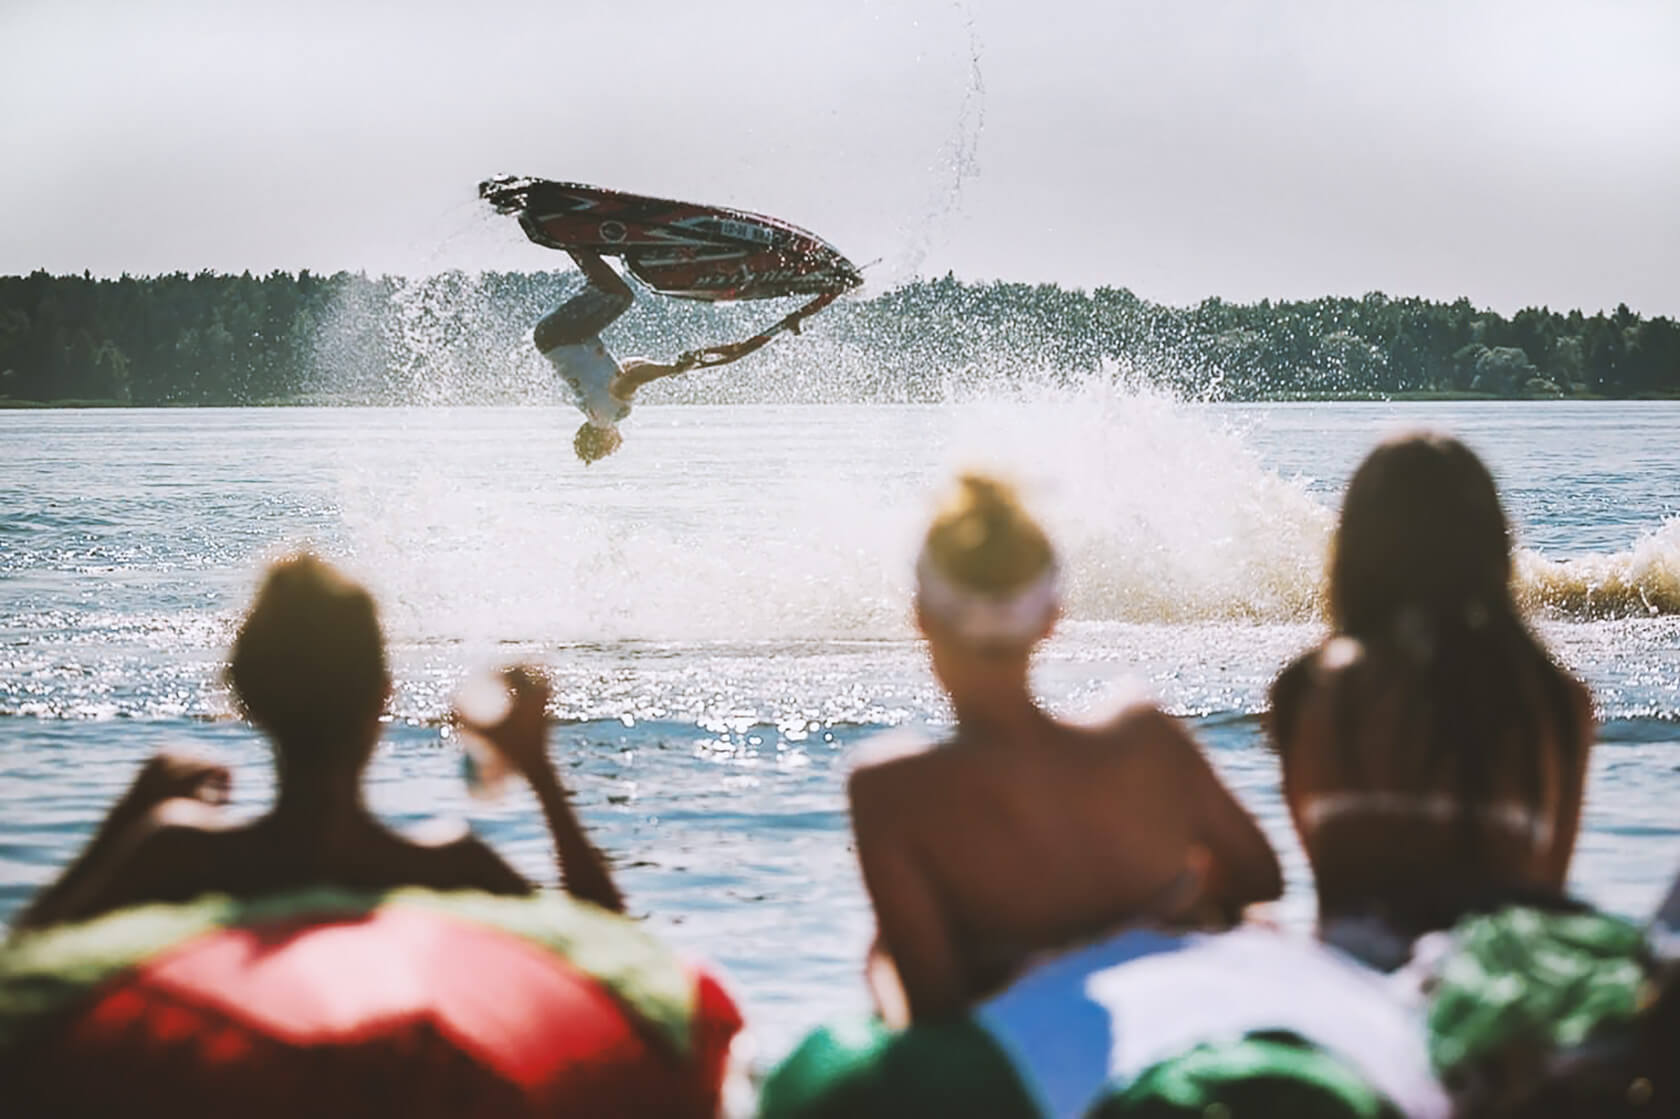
column 218, row 339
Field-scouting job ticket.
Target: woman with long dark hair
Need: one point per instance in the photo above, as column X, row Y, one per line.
column 1434, row 754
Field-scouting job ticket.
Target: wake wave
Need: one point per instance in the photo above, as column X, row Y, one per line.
column 1167, row 516
column 1641, row 582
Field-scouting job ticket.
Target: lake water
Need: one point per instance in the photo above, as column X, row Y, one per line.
column 724, row 606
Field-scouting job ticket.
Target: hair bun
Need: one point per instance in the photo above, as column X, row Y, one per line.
column 983, row 539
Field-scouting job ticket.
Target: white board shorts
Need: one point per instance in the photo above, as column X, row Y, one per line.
column 589, row 371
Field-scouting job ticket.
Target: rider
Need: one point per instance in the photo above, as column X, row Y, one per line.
column 602, row 387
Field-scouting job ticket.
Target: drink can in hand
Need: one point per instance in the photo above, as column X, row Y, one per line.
column 483, row 703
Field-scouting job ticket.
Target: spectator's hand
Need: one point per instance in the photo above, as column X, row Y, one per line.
column 168, row 776
column 522, row 735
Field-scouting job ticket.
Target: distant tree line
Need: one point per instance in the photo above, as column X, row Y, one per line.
column 214, row 339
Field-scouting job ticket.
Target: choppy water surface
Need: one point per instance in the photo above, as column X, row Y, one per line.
column 724, row 606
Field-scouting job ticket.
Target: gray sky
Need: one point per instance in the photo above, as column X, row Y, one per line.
column 1520, row 152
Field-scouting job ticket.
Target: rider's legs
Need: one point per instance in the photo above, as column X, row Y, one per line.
column 581, row 318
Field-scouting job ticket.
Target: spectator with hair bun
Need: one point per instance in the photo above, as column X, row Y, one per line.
column 1025, row 833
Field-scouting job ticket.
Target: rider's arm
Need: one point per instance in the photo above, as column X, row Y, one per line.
column 636, row 372
column 734, row 351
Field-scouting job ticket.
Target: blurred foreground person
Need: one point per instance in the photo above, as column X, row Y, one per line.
column 1024, row 834
column 308, row 667
column 1434, row 754
column 315, row 963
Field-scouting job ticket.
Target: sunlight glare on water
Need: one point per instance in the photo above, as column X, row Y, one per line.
column 724, row 606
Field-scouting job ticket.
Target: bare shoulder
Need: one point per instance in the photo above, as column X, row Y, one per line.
column 444, row 854
column 1581, row 697
column 482, row 868
column 181, row 834
column 1336, row 657
column 1315, row 673
column 1131, row 719
column 171, row 854
column 890, row 761
column 1123, row 699
column 899, row 745
column 1585, row 710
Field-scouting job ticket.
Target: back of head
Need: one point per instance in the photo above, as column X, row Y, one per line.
column 1421, row 568
column 308, row 664
column 593, row 443
column 1421, row 528
column 987, row 573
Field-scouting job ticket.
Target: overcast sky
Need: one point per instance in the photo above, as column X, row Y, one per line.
column 1521, row 152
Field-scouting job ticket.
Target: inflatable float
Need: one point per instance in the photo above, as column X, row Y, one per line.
column 408, row 1003
column 1142, row 1024
column 1516, row 1005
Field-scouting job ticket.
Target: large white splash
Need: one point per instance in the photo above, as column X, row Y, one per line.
column 789, row 523
column 1164, row 512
